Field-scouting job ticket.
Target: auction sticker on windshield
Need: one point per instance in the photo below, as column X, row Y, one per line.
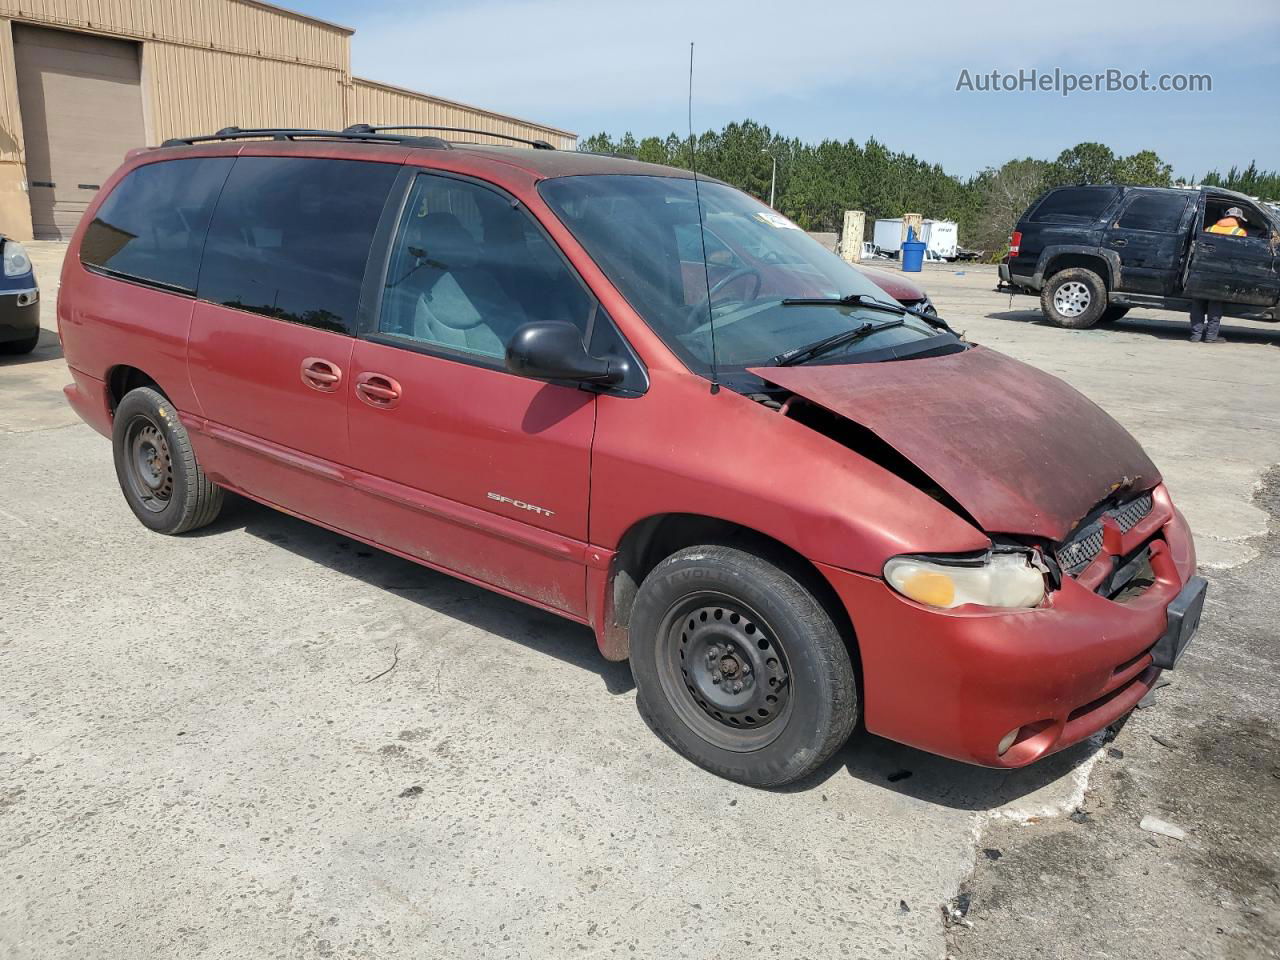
column 775, row 220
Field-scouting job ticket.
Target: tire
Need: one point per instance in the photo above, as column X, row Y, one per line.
column 156, row 466
column 1112, row 314
column 1074, row 298
column 709, row 624
column 13, row 347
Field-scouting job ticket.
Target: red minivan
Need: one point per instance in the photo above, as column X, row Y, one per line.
column 649, row 404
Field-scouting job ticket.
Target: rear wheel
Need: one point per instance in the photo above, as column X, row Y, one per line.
column 1074, row 297
column 156, row 466
column 739, row 667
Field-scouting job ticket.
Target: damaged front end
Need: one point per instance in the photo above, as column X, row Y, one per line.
column 1002, row 656
column 1063, row 491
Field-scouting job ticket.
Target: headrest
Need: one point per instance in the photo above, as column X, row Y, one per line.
column 444, row 240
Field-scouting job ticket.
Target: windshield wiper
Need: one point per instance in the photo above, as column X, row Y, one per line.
column 852, row 300
column 871, row 303
column 827, row 344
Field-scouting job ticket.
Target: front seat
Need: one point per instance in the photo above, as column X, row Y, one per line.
column 460, row 302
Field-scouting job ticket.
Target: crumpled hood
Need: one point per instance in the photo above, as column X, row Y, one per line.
column 1017, row 448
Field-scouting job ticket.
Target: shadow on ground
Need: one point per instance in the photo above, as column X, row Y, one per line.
column 48, row 348
column 483, row 609
column 874, row 760
column 1152, row 327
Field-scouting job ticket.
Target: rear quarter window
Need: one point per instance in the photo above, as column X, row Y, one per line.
column 291, row 236
column 1074, row 205
column 1159, row 212
column 152, row 226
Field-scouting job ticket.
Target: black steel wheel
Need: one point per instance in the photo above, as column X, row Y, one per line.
column 725, row 671
column 156, row 465
column 739, row 667
column 148, row 464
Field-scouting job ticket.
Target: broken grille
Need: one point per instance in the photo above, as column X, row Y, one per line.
column 1076, row 553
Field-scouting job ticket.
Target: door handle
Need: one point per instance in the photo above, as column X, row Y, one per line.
column 320, row 374
column 1205, row 245
column 1119, row 242
column 378, row 390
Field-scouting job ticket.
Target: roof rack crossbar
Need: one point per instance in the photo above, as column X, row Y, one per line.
column 368, row 128
column 289, row 133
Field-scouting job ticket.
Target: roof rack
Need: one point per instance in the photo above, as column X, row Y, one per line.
column 366, row 136
column 367, row 128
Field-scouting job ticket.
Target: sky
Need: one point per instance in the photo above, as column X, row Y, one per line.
column 840, row 70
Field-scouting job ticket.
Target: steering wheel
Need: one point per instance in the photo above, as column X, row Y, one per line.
column 702, row 305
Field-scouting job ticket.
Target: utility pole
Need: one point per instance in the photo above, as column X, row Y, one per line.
column 773, row 180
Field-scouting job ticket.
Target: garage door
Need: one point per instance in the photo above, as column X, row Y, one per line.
column 81, row 110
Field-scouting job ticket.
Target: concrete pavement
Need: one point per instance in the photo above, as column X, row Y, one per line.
column 264, row 739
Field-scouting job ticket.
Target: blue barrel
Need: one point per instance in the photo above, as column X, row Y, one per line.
column 912, row 253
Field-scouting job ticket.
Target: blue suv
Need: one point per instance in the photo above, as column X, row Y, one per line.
column 19, row 300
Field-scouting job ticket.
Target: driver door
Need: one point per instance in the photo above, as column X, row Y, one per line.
column 1231, row 269
column 459, row 463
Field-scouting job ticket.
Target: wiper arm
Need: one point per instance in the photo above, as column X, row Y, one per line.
column 852, row 300
column 827, row 344
column 871, row 303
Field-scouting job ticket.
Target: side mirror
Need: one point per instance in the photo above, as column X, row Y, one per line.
column 553, row 350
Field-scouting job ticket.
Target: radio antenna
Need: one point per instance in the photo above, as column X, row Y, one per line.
column 702, row 233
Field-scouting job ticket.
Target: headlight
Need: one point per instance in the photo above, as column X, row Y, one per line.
column 16, row 261
column 999, row 580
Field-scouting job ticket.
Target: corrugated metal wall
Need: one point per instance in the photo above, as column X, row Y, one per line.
column 380, row 103
column 10, row 127
column 236, row 26
column 208, row 64
column 194, row 91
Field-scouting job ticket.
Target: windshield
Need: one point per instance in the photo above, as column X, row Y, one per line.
column 643, row 233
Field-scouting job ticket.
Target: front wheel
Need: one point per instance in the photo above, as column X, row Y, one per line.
column 1074, row 298
column 156, row 466
column 739, row 668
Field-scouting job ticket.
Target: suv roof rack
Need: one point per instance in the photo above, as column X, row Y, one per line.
column 285, row 133
column 367, row 128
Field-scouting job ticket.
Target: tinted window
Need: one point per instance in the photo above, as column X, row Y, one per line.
column 1154, row 211
column 152, row 226
column 1084, row 204
column 291, row 235
column 468, row 268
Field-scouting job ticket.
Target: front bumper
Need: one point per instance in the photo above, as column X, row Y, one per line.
column 954, row 682
column 19, row 314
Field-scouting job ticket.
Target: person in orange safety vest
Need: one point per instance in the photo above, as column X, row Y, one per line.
column 1206, row 315
column 1231, row 224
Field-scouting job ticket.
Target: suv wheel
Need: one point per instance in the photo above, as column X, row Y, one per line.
column 739, row 668
column 1075, row 297
column 156, row 466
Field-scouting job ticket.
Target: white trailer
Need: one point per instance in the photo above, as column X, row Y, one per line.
column 941, row 237
column 887, row 236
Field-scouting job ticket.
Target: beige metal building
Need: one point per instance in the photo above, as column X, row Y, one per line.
column 82, row 81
